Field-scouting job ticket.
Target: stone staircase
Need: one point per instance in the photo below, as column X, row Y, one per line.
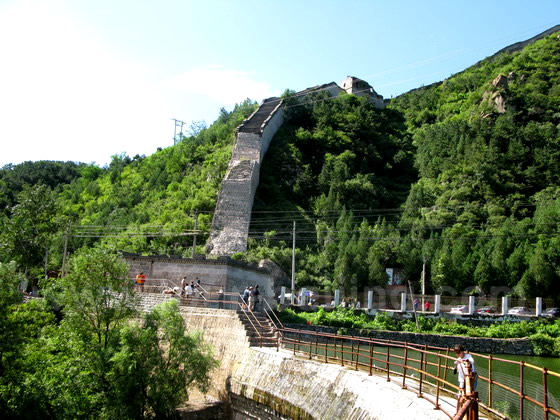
column 255, row 122
column 264, row 327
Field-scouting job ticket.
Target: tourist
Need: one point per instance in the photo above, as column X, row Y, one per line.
column 184, row 283
column 140, row 280
column 463, row 359
column 256, row 294
column 358, row 305
column 245, row 298
column 427, row 306
column 251, row 298
column 221, row 298
column 189, row 290
column 415, row 304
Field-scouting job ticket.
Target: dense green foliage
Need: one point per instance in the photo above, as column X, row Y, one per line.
column 544, row 333
column 332, row 155
column 95, row 360
column 484, row 210
column 463, row 174
column 140, row 204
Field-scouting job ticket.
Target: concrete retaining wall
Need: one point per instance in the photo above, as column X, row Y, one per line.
column 213, row 274
column 264, row 383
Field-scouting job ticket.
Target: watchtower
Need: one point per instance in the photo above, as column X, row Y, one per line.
column 360, row 87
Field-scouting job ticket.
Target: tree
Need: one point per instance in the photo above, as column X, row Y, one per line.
column 34, row 221
column 157, row 363
column 98, row 361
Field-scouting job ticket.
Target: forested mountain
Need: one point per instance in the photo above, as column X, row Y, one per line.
column 484, row 210
column 463, row 174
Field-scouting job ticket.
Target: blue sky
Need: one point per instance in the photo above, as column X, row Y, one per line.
column 84, row 80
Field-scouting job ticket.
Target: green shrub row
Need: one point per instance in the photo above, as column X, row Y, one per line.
column 544, row 333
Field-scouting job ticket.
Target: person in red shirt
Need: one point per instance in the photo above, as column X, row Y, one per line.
column 427, row 306
column 140, row 280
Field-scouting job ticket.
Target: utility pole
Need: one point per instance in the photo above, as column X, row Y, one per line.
column 413, row 308
column 46, row 262
column 293, row 262
column 64, row 252
column 195, row 232
column 423, row 281
column 177, row 137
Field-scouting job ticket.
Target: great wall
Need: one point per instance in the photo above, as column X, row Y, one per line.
column 230, row 226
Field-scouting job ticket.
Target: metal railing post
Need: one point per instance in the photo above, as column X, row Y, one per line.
column 446, row 365
column 438, row 381
column 327, row 349
column 490, row 381
column 545, row 387
column 405, row 364
column 425, row 367
column 342, row 352
column 421, row 376
column 521, row 365
column 370, row 358
column 387, row 362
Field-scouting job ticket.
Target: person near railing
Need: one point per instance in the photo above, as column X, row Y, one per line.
column 184, row 283
column 189, row 290
column 221, row 298
column 256, row 294
column 467, row 375
column 140, row 280
column 251, row 298
column 245, row 297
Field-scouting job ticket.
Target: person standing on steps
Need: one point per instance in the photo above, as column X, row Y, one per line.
column 189, row 291
column 245, row 298
column 184, row 283
column 256, row 294
column 251, row 298
column 140, row 280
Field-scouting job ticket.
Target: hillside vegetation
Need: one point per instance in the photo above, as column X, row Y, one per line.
column 462, row 174
column 484, row 210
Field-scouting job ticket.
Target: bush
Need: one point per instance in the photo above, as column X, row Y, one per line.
column 544, row 345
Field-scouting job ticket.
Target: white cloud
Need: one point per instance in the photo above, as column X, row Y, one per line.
column 222, row 85
column 66, row 94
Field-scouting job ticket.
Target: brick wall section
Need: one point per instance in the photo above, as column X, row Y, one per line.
column 230, row 225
